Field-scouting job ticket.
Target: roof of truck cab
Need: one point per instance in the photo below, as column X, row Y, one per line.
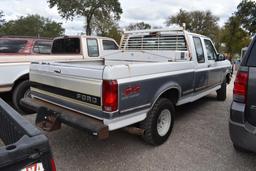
column 198, row 35
column 85, row 36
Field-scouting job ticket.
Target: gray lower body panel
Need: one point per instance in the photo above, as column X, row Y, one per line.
column 242, row 137
column 242, row 133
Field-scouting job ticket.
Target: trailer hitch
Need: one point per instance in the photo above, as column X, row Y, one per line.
column 47, row 120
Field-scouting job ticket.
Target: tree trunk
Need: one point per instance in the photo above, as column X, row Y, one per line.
column 88, row 27
column 88, row 24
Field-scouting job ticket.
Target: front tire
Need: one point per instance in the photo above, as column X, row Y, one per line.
column 222, row 92
column 159, row 122
column 22, row 90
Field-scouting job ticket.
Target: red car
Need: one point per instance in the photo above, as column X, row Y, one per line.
column 24, row 45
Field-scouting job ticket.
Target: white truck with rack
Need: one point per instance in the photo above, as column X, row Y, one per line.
column 138, row 87
column 14, row 68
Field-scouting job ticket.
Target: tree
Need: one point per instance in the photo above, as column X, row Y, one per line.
column 115, row 33
column 32, row 25
column 246, row 11
column 234, row 37
column 1, row 18
column 138, row 26
column 201, row 22
column 90, row 9
column 106, row 27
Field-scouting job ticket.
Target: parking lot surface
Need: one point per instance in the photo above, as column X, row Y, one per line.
column 199, row 141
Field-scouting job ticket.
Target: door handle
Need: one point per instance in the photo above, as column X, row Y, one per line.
column 58, row 71
column 209, row 65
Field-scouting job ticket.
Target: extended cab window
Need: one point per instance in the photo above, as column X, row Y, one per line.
column 211, row 53
column 12, row 46
column 199, row 50
column 93, row 48
column 66, row 46
column 109, row 45
column 42, row 47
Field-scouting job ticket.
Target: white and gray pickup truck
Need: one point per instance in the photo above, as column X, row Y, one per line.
column 136, row 88
column 63, row 48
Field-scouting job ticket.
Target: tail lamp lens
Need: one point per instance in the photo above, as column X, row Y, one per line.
column 240, row 86
column 110, row 95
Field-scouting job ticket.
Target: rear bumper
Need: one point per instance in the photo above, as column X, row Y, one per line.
column 242, row 133
column 68, row 117
column 74, row 119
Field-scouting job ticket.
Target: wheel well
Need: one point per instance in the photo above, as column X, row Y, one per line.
column 171, row 94
column 20, row 79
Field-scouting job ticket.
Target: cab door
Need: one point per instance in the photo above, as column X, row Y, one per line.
column 214, row 71
column 201, row 72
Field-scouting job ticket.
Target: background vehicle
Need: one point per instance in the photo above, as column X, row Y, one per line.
column 155, row 71
column 26, row 148
column 242, row 124
column 243, row 52
column 17, row 53
column 12, row 45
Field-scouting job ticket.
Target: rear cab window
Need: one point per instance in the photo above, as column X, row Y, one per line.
column 92, row 47
column 66, row 46
column 42, row 47
column 109, row 45
column 199, row 50
column 252, row 57
column 210, row 50
column 12, row 46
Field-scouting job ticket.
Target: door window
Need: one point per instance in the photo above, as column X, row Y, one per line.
column 42, row 47
column 109, row 45
column 211, row 53
column 93, row 48
column 199, row 50
column 12, row 46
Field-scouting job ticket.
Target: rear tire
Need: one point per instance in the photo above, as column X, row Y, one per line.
column 22, row 90
column 222, row 92
column 159, row 122
column 240, row 149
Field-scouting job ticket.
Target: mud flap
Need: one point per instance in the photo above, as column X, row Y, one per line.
column 47, row 120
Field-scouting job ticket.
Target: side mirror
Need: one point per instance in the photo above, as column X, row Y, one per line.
column 220, row 57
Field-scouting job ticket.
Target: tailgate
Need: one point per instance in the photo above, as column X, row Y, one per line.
column 74, row 85
column 25, row 146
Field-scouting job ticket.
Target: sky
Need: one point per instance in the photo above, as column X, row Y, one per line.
column 154, row 12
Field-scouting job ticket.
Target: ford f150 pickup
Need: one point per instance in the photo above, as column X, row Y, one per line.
column 24, row 147
column 63, row 48
column 137, row 87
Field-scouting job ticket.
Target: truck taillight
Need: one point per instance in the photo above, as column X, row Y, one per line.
column 110, row 95
column 240, row 86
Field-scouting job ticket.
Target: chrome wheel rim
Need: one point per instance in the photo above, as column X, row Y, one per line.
column 164, row 122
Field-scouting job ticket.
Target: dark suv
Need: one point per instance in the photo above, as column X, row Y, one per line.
column 242, row 124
